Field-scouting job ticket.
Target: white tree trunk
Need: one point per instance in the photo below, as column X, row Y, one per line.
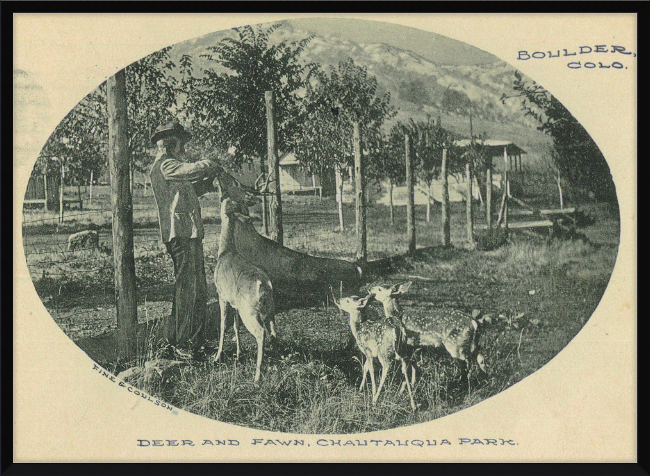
column 429, row 202
column 90, row 189
column 559, row 187
column 390, row 202
column 339, row 196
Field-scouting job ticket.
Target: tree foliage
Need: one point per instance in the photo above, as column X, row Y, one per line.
column 80, row 140
column 227, row 106
column 333, row 102
column 151, row 98
column 577, row 155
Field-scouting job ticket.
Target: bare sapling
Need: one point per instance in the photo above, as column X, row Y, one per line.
column 242, row 286
column 377, row 340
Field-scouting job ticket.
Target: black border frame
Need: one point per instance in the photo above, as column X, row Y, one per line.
column 8, row 8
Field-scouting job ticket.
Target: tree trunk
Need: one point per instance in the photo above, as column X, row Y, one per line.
column 61, row 192
column 265, row 207
column 47, row 201
column 488, row 197
column 410, row 198
column 428, row 202
column 90, row 189
column 359, row 185
column 446, row 229
column 470, row 218
column 390, row 202
column 119, row 159
column 339, row 195
column 559, row 187
column 275, row 207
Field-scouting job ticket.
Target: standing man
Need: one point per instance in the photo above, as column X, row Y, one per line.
column 177, row 185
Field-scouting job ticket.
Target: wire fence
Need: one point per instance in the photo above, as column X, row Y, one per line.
column 77, row 285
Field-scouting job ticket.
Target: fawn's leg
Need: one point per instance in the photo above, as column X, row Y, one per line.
column 385, row 366
column 408, row 384
column 481, row 362
column 371, row 369
column 365, row 373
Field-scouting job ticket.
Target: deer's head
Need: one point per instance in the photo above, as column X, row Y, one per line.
column 352, row 304
column 385, row 293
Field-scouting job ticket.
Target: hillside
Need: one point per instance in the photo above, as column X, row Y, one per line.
column 418, row 85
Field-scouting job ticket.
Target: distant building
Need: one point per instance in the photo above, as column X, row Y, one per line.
column 293, row 177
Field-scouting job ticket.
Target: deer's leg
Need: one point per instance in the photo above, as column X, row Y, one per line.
column 235, row 325
column 223, row 307
column 413, row 374
column 408, row 384
column 371, row 369
column 481, row 362
column 385, row 366
column 272, row 327
column 401, row 388
column 365, row 372
column 259, row 336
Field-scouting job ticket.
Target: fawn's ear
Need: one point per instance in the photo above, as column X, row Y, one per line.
column 403, row 288
column 363, row 302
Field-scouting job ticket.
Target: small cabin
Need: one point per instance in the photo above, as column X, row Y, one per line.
column 294, row 178
column 42, row 190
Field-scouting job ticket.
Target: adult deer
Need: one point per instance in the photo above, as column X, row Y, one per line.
column 242, row 286
column 456, row 331
column 377, row 340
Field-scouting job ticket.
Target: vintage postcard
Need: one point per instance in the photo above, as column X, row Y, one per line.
column 379, row 237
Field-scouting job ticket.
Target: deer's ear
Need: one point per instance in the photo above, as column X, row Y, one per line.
column 404, row 287
column 363, row 302
column 243, row 218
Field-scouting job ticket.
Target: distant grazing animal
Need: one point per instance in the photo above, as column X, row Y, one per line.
column 242, row 286
column 377, row 340
column 83, row 239
column 456, row 331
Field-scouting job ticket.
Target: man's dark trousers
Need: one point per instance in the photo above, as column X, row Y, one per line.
column 187, row 321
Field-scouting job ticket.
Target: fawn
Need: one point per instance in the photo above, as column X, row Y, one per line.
column 242, row 286
column 457, row 331
column 377, row 340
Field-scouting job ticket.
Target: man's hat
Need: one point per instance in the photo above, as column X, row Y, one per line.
column 168, row 130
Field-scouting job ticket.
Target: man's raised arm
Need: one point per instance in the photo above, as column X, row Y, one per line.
column 176, row 170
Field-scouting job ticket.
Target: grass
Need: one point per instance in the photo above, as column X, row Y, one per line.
column 539, row 293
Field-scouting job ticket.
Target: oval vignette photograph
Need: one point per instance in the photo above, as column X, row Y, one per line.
column 319, row 226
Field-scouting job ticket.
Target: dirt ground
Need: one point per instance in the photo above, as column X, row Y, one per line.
column 539, row 293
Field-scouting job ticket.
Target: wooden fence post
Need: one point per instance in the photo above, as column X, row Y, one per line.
column 119, row 159
column 488, row 195
column 410, row 198
column 339, row 194
column 446, row 229
column 275, row 207
column 61, row 191
column 90, row 191
column 506, row 186
column 47, row 203
column 359, row 185
column 265, row 205
column 470, row 217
